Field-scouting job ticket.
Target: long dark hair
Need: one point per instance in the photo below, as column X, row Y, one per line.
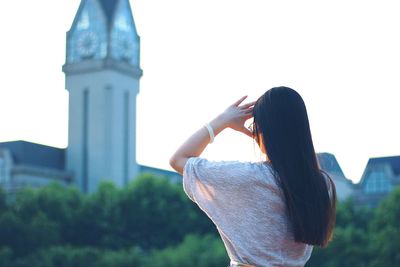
column 280, row 118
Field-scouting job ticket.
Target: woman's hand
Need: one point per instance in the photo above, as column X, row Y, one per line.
column 235, row 116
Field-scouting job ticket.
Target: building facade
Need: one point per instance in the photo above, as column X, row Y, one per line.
column 380, row 177
column 29, row 164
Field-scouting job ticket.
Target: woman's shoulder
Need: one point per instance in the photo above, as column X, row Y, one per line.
column 247, row 171
column 232, row 167
column 232, row 164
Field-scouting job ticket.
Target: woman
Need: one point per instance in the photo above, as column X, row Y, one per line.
column 268, row 213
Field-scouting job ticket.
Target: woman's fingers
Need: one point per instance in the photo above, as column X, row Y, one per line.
column 237, row 103
column 248, row 111
column 248, row 105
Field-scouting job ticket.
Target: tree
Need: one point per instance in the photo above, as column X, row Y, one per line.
column 13, row 233
column 385, row 232
column 156, row 213
column 350, row 244
column 3, row 200
column 97, row 221
column 194, row 251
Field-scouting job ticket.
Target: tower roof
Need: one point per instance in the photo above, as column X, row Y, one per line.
column 109, row 7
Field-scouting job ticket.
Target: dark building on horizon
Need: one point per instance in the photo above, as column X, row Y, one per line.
column 25, row 164
column 380, row 177
column 344, row 186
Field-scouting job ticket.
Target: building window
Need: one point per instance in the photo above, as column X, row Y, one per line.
column 377, row 182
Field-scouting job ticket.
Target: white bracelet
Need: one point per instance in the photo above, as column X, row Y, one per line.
column 210, row 132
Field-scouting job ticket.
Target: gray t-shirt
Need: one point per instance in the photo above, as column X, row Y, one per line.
column 248, row 209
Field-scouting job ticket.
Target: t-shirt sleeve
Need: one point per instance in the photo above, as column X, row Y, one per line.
column 210, row 184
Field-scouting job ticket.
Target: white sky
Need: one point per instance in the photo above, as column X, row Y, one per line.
column 343, row 57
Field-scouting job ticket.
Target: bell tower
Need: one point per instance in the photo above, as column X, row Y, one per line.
column 102, row 72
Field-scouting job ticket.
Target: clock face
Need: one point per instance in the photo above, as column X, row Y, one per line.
column 127, row 48
column 124, row 46
column 87, row 43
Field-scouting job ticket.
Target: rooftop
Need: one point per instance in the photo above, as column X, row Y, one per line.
column 32, row 154
column 393, row 162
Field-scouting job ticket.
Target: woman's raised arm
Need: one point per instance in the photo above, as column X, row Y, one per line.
column 233, row 117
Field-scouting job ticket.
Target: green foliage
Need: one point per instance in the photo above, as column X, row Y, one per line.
column 97, row 221
column 194, row 251
column 5, row 256
column 350, row 241
column 161, row 210
column 3, row 201
column 13, row 233
column 42, row 232
column 80, row 257
column 385, row 232
column 348, row 214
column 150, row 213
column 363, row 237
column 348, row 249
column 122, row 258
column 151, row 222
